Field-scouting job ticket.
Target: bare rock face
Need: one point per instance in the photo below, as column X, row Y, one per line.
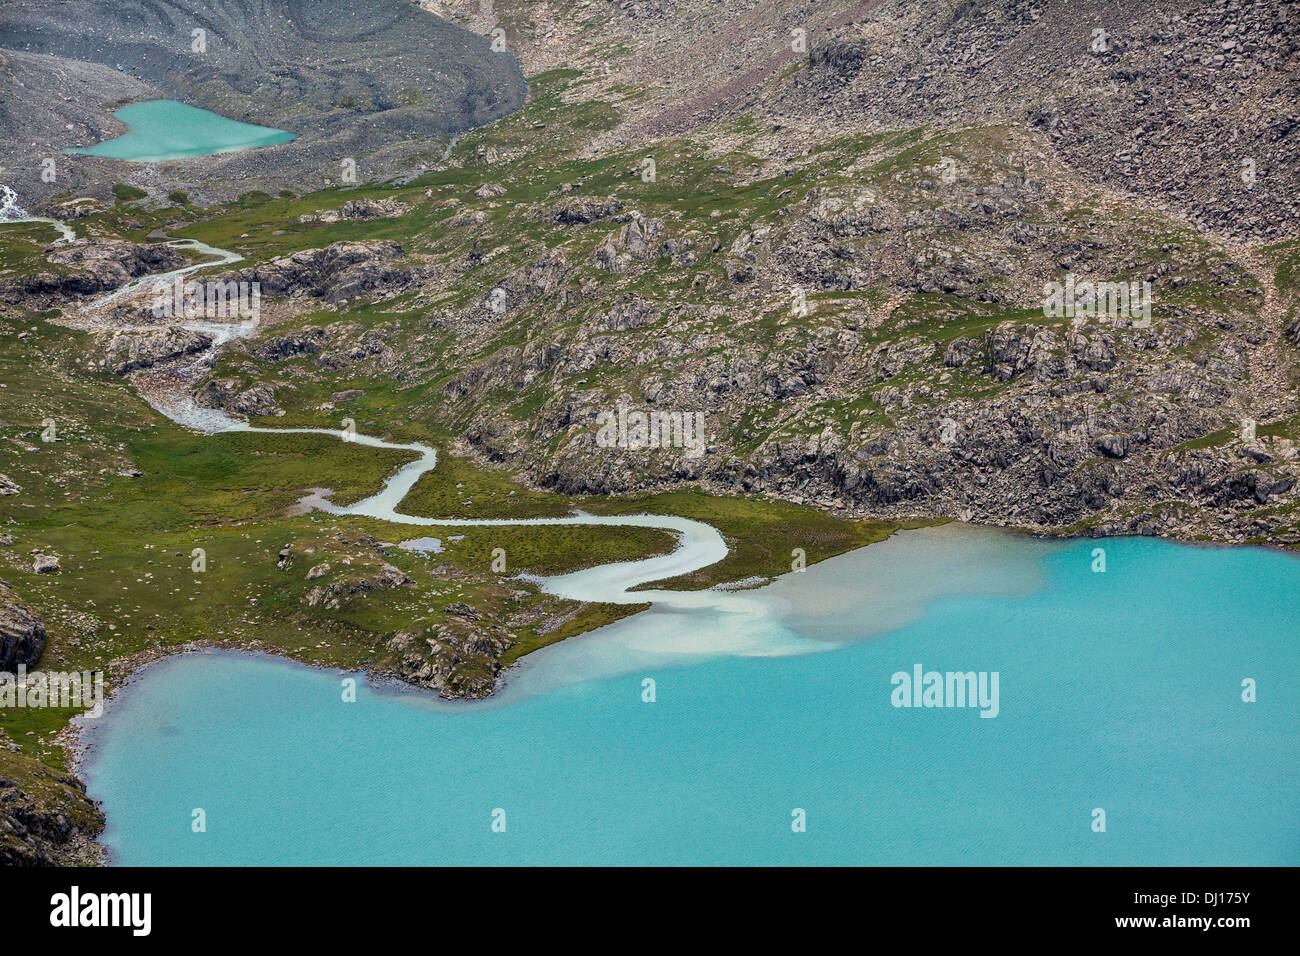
column 8, row 486
column 130, row 351
column 339, row 272
column 45, row 564
column 22, row 632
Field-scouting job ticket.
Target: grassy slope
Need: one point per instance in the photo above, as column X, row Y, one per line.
column 126, row 584
column 125, row 543
column 702, row 193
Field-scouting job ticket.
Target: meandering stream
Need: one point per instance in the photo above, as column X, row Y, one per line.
column 687, row 733
column 221, row 257
column 698, row 544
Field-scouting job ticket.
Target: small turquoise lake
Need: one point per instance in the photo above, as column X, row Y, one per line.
column 167, row 129
column 1120, row 691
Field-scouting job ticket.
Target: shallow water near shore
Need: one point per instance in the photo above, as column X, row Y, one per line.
column 160, row 130
column 1120, row 691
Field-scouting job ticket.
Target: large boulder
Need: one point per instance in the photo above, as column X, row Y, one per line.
column 22, row 632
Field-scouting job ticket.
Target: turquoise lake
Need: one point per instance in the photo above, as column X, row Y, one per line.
column 1119, row 690
column 166, row 129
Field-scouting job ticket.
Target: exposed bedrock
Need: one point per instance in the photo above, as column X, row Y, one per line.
column 22, row 632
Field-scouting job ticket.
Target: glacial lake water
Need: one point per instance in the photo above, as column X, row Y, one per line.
column 1119, row 691
column 159, row 130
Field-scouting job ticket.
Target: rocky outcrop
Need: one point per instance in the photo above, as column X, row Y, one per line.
column 459, row 657
column 338, row 273
column 333, row 595
column 230, row 394
column 281, row 347
column 633, row 242
column 359, row 209
column 87, row 268
column 584, row 210
column 22, row 632
column 127, row 352
column 46, row 819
